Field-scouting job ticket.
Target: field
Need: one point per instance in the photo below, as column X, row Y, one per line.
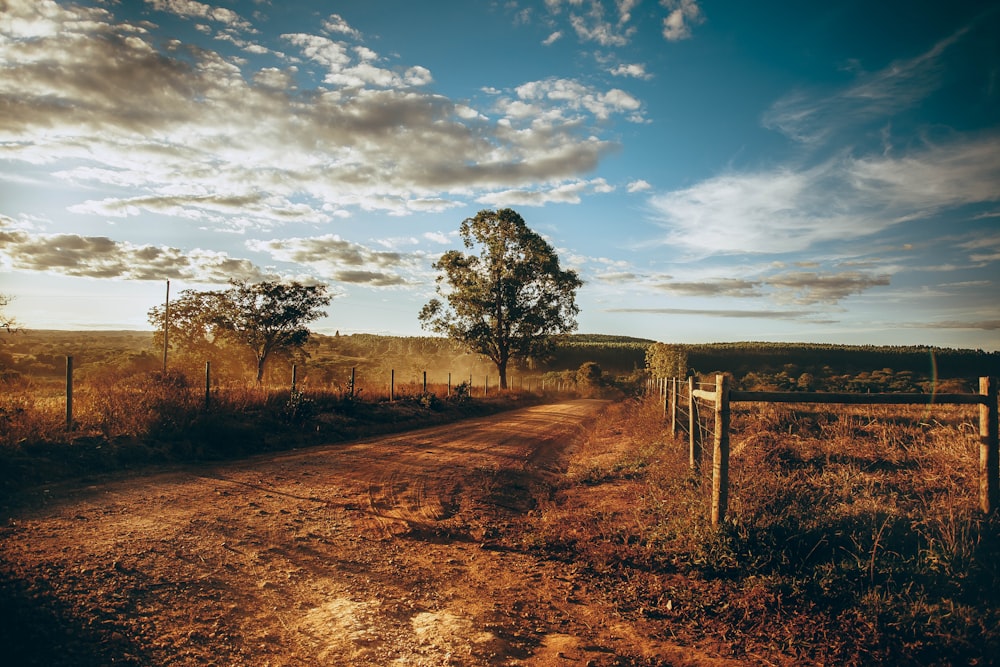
column 853, row 538
column 534, row 529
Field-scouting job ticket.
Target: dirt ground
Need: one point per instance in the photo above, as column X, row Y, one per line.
column 380, row 552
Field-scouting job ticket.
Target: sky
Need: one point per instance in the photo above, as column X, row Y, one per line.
column 713, row 170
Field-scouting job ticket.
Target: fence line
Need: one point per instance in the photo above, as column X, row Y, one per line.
column 720, row 396
column 351, row 390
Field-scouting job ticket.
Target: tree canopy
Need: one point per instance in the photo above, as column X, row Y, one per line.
column 508, row 298
column 667, row 361
column 264, row 317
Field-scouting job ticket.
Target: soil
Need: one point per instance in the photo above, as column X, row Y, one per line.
column 377, row 552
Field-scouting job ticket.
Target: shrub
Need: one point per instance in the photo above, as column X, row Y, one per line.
column 461, row 393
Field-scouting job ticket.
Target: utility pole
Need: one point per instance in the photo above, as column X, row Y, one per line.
column 166, row 327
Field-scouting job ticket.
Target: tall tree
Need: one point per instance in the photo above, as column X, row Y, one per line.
column 265, row 317
column 508, row 301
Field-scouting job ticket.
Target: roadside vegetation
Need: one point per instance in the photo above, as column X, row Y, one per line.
column 129, row 414
column 854, row 536
column 128, row 421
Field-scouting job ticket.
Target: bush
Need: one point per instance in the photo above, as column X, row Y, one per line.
column 461, row 393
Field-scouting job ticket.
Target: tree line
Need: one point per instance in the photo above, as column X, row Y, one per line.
column 826, row 367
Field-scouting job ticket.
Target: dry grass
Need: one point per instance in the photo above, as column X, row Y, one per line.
column 129, row 420
column 853, row 535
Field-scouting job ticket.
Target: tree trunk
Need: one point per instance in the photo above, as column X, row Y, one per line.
column 260, row 369
column 502, row 370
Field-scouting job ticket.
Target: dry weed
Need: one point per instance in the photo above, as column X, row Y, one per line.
column 853, row 535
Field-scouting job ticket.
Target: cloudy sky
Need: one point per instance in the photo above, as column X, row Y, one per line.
column 714, row 170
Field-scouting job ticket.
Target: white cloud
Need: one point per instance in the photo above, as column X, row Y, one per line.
column 590, row 22
column 336, row 259
column 553, row 38
column 716, row 287
column 336, row 23
column 639, row 186
column 562, row 95
column 807, row 287
column 683, row 14
column 101, row 257
column 195, row 134
column 983, row 250
column 634, row 70
column 814, row 117
column 784, row 210
column 437, row 237
column 199, row 10
column 562, row 193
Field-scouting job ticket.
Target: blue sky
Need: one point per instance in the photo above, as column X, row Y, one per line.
column 715, row 171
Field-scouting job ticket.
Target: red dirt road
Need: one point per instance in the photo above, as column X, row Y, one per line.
column 379, row 552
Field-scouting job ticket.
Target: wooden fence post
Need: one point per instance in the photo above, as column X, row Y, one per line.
column 425, row 382
column 989, row 450
column 392, row 385
column 720, row 451
column 694, row 435
column 353, row 369
column 673, row 407
column 208, row 383
column 69, row 393
column 294, row 376
column 449, row 385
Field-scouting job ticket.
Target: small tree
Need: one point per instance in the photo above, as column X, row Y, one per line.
column 266, row 317
column 589, row 378
column 507, row 301
column 192, row 327
column 666, row 361
column 6, row 322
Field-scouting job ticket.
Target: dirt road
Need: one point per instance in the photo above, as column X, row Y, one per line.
column 372, row 553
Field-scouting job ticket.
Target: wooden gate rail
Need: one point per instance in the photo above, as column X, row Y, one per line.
column 722, row 396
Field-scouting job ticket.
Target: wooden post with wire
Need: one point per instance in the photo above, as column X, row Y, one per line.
column 989, row 450
column 673, row 406
column 694, row 436
column 720, row 451
column 69, row 393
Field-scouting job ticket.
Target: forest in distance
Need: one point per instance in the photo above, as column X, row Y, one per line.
column 329, row 360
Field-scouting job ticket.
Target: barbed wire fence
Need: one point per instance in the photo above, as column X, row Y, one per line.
column 707, row 408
